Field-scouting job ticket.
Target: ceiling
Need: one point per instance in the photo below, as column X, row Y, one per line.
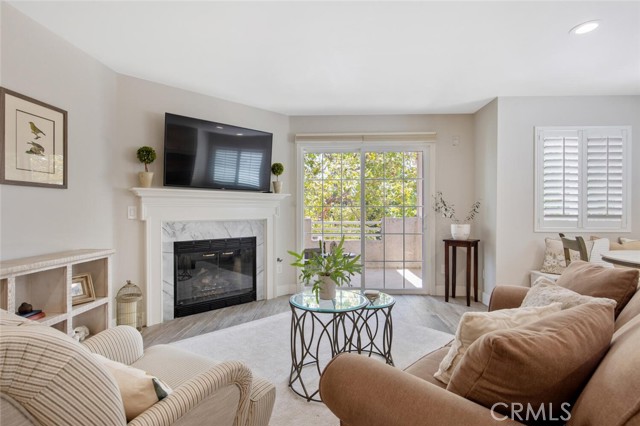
column 319, row 58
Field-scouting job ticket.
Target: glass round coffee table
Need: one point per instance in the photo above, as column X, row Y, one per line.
column 375, row 318
column 314, row 322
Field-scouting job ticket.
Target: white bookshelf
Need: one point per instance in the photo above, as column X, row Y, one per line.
column 45, row 282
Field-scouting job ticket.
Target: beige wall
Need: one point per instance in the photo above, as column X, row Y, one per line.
column 454, row 164
column 42, row 220
column 518, row 248
column 111, row 115
column 140, row 121
column 486, row 138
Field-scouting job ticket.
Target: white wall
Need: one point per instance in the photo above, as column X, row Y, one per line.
column 42, row 66
column 486, row 146
column 140, row 121
column 518, row 248
column 454, row 164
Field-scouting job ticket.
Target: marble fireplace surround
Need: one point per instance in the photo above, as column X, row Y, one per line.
column 207, row 230
column 162, row 206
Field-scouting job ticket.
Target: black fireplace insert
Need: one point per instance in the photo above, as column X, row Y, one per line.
column 213, row 274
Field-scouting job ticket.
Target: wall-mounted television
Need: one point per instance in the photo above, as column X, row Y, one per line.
column 205, row 154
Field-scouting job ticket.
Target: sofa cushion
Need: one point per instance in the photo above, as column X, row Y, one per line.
column 629, row 312
column 172, row 365
column 600, row 246
column 472, row 325
column 138, row 389
column 545, row 292
column 545, row 363
column 628, row 245
column 426, row 366
column 587, row 279
column 612, row 396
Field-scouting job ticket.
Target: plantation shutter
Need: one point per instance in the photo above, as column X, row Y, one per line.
column 605, row 177
column 560, row 177
column 582, row 178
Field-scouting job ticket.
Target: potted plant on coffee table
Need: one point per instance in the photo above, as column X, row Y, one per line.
column 146, row 155
column 325, row 271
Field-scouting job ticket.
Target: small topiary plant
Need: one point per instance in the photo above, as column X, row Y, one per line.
column 277, row 169
column 146, row 155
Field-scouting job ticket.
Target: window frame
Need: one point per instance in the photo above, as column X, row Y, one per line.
column 380, row 142
column 583, row 223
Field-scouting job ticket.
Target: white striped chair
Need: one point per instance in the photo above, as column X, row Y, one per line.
column 47, row 378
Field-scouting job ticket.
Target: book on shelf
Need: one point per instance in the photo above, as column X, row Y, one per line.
column 37, row 316
column 29, row 314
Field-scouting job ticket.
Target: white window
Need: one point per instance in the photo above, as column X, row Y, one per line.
column 583, row 178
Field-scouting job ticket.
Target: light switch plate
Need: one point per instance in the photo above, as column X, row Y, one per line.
column 132, row 212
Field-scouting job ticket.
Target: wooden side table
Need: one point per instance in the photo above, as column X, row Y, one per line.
column 470, row 245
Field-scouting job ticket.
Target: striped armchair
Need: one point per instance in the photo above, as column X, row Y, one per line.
column 47, row 378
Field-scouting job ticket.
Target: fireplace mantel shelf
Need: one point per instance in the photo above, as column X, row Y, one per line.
column 208, row 194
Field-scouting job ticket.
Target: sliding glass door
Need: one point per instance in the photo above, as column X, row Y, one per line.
column 374, row 197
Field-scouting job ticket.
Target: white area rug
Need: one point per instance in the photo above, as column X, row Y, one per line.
column 264, row 346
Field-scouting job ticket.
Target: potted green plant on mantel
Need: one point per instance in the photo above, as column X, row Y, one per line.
column 327, row 270
column 277, row 169
column 146, row 155
column 459, row 231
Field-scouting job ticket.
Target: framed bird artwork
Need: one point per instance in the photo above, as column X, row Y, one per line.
column 33, row 142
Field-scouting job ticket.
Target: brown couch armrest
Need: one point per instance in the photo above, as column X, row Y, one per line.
column 362, row 391
column 507, row 296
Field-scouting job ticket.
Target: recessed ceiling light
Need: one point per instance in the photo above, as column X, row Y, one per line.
column 238, row 134
column 585, row 27
column 219, row 127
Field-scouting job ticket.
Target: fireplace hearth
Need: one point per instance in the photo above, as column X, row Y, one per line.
column 213, row 274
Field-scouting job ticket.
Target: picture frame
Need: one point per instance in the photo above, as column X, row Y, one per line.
column 33, row 142
column 81, row 289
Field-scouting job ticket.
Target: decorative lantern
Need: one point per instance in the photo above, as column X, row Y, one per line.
column 129, row 300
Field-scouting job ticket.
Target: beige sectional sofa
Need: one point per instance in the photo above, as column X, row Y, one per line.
column 365, row 392
column 47, row 378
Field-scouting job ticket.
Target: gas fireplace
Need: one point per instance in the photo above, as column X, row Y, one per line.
column 213, row 274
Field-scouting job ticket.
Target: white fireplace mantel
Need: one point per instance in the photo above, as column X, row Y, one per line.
column 159, row 205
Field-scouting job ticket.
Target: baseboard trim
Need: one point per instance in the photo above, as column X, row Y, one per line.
column 486, row 298
column 286, row 289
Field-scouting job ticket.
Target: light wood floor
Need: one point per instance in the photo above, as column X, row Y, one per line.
column 432, row 312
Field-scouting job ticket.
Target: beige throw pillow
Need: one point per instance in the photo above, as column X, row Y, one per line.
column 554, row 261
column 540, row 366
column 600, row 246
column 545, row 292
column 585, row 278
column 138, row 389
column 473, row 325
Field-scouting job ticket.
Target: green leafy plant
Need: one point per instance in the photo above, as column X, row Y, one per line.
column 337, row 264
column 448, row 210
column 146, row 155
column 277, row 169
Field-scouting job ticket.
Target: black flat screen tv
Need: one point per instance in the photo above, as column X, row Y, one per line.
column 205, row 154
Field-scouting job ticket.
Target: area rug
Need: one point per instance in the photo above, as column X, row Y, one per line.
column 264, row 346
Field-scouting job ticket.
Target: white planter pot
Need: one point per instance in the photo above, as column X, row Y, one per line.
column 145, row 179
column 327, row 288
column 460, row 231
column 277, row 186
